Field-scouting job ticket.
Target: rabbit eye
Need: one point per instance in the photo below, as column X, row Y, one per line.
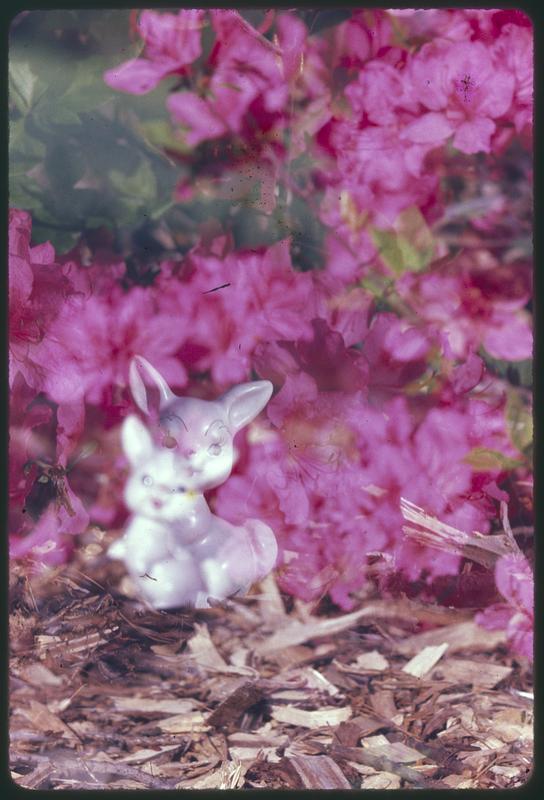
column 214, row 449
column 180, row 489
column 147, row 480
column 169, row 441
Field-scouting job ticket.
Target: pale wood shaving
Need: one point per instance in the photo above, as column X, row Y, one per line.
column 310, row 719
column 425, row 660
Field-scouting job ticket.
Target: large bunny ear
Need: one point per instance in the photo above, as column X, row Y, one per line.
column 244, row 402
column 140, row 365
column 136, row 440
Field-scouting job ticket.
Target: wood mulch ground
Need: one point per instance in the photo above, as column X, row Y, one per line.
column 258, row 692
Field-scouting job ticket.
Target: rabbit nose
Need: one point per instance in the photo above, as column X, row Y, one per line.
column 187, row 450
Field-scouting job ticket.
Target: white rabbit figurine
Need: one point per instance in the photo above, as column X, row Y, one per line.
column 176, row 551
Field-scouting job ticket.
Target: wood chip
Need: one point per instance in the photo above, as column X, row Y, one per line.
column 203, row 649
column 383, row 703
column 35, row 778
column 235, row 704
column 270, row 602
column 311, row 719
column 512, row 725
column 425, row 660
column 141, row 756
column 44, row 720
column 350, row 733
column 479, row 674
column 395, row 751
column 144, row 705
column 39, row 675
column 319, row 772
column 381, row 780
column 230, row 775
column 184, row 723
column 461, row 636
column 299, row 632
column 372, row 660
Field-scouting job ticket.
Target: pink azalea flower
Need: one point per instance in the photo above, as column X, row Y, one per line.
column 376, row 177
column 515, row 581
column 93, row 340
column 326, row 359
column 475, row 304
column 396, row 352
column 247, row 73
column 171, row 44
column 37, row 290
column 464, row 89
column 361, row 37
column 261, row 299
column 514, row 49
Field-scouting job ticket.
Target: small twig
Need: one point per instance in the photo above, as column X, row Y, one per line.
column 76, row 765
column 383, row 764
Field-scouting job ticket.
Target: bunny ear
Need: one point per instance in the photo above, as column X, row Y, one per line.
column 136, row 440
column 244, row 402
column 137, row 386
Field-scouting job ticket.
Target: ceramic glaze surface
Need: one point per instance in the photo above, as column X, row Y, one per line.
column 176, row 551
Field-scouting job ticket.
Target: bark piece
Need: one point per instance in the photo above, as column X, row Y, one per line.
column 235, row 704
column 319, row 772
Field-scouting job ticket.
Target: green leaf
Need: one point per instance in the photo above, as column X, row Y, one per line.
column 409, row 247
column 24, row 85
column 141, row 185
column 520, row 422
column 160, row 134
column 519, row 373
column 484, row 459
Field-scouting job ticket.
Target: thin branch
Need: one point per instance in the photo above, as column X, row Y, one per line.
column 75, row 766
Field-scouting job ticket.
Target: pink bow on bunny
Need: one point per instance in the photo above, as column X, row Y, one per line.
column 176, row 551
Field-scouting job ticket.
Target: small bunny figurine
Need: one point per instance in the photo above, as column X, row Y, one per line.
column 176, row 551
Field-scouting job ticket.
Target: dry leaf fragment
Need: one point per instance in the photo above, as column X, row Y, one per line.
column 311, row 719
column 425, row 660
